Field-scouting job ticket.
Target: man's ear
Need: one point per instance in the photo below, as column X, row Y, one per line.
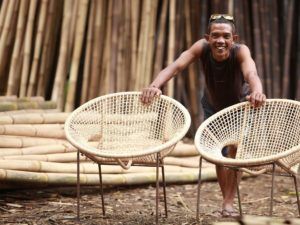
column 206, row 36
column 235, row 37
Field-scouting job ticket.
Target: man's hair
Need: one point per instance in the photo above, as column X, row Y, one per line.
column 221, row 20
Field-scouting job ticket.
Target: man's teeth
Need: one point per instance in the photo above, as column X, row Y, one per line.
column 220, row 47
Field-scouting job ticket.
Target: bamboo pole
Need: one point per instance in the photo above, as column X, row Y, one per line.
column 111, row 73
column 127, row 46
column 34, row 118
column 257, row 39
column 39, row 39
column 108, row 179
column 27, row 47
column 34, row 130
column 5, row 35
column 120, row 75
column 141, row 44
column 88, row 54
column 45, row 52
column 265, row 38
column 104, row 79
column 30, row 111
column 274, row 52
column 192, row 161
column 287, row 50
column 191, row 69
column 184, row 150
column 15, row 66
column 98, row 49
column 85, row 167
column 150, row 44
column 79, row 35
column 3, row 12
column 159, row 52
column 38, row 150
column 56, row 157
column 74, row 13
column 21, row 142
column 62, row 70
column 171, row 43
column 9, row 106
column 135, row 8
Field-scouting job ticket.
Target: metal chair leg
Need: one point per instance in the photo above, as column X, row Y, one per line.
column 101, row 188
column 198, row 190
column 238, row 192
column 297, row 194
column 164, row 188
column 157, row 186
column 78, row 186
column 272, row 189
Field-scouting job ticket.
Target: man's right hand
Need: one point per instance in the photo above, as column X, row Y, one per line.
column 149, row 93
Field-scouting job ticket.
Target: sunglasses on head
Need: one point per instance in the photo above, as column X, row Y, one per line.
column 214, row 17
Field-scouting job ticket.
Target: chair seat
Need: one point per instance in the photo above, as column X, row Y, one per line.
column 267, row 140
column 262, row 135
column 119, row 128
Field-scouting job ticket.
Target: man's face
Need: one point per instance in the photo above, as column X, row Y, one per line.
column 220, row 40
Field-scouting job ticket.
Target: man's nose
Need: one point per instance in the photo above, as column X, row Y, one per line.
column 220, row 40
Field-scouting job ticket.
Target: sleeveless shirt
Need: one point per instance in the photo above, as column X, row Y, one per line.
column 225, row 84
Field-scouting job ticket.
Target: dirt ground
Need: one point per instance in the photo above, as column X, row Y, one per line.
column 136, row 205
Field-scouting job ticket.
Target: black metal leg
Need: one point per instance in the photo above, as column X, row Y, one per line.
column 157, row 186
column 272, row 189
column 101, row 188
column 164, row 188
column 198, row 191
column 78, row 186
column 297, row 194
column 238, row 192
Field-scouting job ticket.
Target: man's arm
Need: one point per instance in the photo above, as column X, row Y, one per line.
column 185, row 59
column 256, row 97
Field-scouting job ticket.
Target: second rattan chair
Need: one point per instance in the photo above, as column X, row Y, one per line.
column 119, row 129
column 267, row 140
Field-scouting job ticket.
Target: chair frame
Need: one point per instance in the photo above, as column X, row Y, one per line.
column 159, row 164
column 242, row 164
column 155, row 152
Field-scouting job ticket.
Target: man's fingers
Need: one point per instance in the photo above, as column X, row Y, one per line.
column 149, row 93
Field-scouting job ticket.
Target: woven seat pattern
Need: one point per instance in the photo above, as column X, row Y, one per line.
column 262, row 135
column 120, row 126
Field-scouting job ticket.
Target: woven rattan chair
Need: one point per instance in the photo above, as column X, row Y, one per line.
column 267, row 140
column 118, row 128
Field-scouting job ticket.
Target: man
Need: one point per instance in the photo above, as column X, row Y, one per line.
column 229, row 74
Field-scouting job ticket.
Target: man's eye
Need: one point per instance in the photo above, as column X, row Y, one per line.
column 227, row 36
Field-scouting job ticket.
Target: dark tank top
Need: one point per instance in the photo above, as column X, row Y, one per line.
column 225, row 84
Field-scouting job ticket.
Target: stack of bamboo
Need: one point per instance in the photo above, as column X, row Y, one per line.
column 71, row 51
column 34, row 152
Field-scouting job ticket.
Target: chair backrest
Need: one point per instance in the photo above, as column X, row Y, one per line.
column 120, row 126
column 259, row 133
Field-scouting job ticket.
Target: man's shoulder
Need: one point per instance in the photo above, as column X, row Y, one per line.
column 240, row 46
column 198, row 47
column 242, row 49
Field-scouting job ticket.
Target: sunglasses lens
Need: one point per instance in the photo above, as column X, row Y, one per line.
column 219, row 16
column 228, row 17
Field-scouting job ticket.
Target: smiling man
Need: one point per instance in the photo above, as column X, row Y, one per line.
column 230, row 77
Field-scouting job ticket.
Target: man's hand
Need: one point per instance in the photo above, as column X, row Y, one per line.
column 149, row 93
column 256, row 99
